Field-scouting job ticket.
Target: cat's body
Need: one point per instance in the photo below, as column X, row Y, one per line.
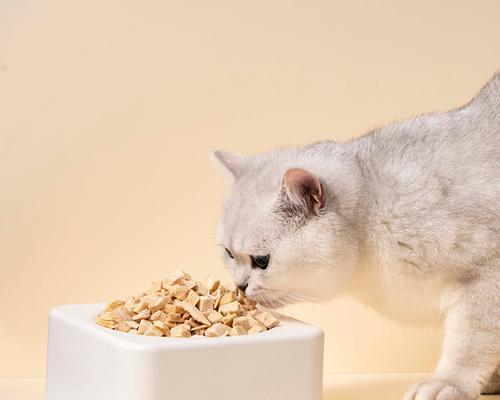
column 431, row 209
column 406, row 218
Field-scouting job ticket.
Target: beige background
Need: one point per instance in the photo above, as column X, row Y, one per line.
column 109, row 110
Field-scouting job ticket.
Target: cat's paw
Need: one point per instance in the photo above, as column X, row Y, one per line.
column 434, row 389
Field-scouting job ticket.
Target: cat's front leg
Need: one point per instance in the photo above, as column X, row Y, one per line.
column 471, row 350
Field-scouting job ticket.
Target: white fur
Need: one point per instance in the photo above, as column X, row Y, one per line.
column 411, row 227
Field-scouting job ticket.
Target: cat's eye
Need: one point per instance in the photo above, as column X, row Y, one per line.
column 228, row 252
column 260, row 261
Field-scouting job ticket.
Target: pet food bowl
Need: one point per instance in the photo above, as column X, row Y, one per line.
column 90, row 362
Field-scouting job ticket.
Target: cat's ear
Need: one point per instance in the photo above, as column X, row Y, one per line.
column 232, row 164
column 303, row 189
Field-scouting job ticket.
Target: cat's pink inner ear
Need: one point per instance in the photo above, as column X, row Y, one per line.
column 301, row 184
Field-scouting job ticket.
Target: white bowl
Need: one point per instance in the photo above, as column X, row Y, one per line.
column 89, row 362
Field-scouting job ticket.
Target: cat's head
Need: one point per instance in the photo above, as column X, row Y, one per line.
column 280, row 233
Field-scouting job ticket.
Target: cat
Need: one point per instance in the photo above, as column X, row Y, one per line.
column 406, row 218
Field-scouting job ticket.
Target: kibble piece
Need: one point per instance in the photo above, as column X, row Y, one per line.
column 249, row 303
column 180, row 331
column 163, row 317
column 196, row 314
column 170, row 324
column 133, row 332
column 217, row 293
column 237, row 331
column 229, row 308
column 191, row 323
column 142, row 305
column 158, row 304
column 123, row 327
column 256, row 329
column 192, row 298
column 170, row 290
column 199, row 328
column 180, row 292
column 153, row 331
column 217, row 330
column 132, row 324
column 212, row 283
column 106, row 315
column 189, row 283
column 206, row 303
column 228, row 319
column 254, row 322
column 216, row 302
column 267, row 319
column 144, row 326
column 160, row 314
column 106, row 323
column 113, row 305
column 149, row 298
column 120, row 314
column 130, row 303
column 229, row 297
column 201, row 289
column 163, row 327
column 176, row 276
column 245, row 322
column 215, row 317
column 241, row 295
column 143, row 314
column 173, row 309
column 174, row 317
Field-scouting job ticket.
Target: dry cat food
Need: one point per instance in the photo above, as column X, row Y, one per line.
column 181, row 307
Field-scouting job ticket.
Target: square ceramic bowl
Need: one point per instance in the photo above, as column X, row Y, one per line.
column 89, row 362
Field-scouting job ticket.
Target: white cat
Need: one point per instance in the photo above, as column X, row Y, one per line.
column 406, row 218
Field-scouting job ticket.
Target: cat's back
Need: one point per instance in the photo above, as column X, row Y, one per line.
column 459, row 148
column 450, row 142
column 432, row 186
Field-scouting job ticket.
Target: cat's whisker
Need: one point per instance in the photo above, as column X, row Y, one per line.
column 301, row 297
column 269, row 300
column 263, row 299
column 272, row 298
column 266, row 298
column 278, row 300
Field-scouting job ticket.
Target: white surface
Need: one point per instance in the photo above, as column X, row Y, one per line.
column 87, row 361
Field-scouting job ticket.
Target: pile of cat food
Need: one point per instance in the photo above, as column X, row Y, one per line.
column 180, row 307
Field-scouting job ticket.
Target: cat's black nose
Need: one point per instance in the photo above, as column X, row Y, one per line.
column 243, row 286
